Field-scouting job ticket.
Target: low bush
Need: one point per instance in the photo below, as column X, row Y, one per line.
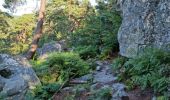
column 43, row 92
column 56, row 70
column 150, row 69
column 62, row 66
column 86, row 52
column 118, row 64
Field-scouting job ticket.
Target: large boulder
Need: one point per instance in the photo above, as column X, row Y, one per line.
column 16, row 76
column 146, row 23
column 54, row 46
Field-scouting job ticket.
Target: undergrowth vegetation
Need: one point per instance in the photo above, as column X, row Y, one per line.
column 55, row 71
column 63, row 65
column 149, row 69
column 98, row 37
column 104, row 93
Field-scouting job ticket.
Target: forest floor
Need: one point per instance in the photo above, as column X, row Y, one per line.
column 101, row 83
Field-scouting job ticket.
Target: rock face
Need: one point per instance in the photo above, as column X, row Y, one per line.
column 146, row 23
column 15, row 77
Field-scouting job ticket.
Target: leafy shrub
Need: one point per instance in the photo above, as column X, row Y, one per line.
column 99, row 31
column 149, row 69
column 86, row 52
column 43, row 92
column 60, row 67
column 56, row 71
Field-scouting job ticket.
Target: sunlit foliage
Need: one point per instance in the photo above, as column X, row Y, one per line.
column 16, row 33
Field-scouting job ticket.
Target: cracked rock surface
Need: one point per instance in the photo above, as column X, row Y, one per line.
column 16, row 76
column 146, row 23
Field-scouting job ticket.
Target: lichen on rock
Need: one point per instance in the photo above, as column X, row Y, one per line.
column 15, row 77
column 145, row 24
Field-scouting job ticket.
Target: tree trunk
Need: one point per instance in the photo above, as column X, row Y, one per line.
column 38, row 31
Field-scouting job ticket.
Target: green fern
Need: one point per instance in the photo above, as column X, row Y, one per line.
column 150, row 69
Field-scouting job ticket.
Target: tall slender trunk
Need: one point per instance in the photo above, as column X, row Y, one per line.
column 38, row 31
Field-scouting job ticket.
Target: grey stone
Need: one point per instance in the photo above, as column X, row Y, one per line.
column 96, row 86
column 67, row 88
column 87, row 77
column 118, row 86
column 154, row 97
column 99, row 63
column 119, row 92
column 15, row 85
column 103, row 77
column 22, row 61
column 105, row 87
column 146, row 23
column 83, row 79
column 55, row 46
column 98, row 68
column 21, row 77
column 1, row 60
column 2, row 83
column 120, row 95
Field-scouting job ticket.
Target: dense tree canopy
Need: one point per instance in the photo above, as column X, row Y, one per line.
column 76, row 20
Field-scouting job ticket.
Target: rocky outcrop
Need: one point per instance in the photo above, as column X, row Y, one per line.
column 16, row 76
column 146, row 23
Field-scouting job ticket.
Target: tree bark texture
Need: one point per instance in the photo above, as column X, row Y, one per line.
column 38, row 31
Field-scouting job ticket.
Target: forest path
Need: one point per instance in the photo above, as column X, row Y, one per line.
column 102, row 85
column 100, row 79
